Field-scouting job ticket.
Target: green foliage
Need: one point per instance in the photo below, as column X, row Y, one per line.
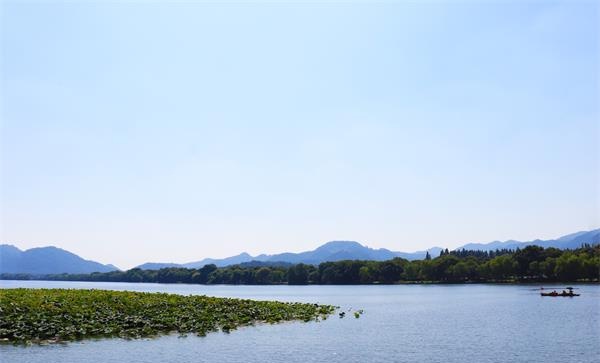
column 390, row 271
column 298, row 274
column 531, row 263
column 503, row 267
column 35, row 315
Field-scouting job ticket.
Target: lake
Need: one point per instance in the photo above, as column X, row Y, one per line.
column 401, row 323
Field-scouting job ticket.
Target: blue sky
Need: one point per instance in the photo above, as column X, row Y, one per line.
column 164, row 131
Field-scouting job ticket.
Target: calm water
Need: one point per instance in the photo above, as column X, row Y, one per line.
column 439, row 323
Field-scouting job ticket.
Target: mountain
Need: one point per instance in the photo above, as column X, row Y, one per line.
column 51, row 260
column 255, row 263
column 46, row 260
column 157, row 265
column 233, row 260
column 330, row 251
column 346, row 250
column 333, row 251
column 350, row 250
column 419, row 255
column 570, row 241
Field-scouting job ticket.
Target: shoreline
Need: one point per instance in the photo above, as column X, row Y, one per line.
column 398, row 283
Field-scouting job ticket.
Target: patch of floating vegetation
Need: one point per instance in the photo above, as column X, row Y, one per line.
column 54, row 315
column 357, row 313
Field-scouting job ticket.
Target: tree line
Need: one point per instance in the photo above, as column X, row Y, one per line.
column 530, row 264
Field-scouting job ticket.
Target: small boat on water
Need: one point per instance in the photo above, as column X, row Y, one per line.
column 564, row 293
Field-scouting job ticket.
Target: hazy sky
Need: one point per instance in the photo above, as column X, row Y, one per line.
column 176, row 131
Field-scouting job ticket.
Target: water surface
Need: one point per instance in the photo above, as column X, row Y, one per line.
column 402, row 323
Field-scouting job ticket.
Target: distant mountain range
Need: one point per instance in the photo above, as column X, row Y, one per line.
column 52, row 260
column 350, row 250
column 330, row 251
column 46, row 260
column 570, row 241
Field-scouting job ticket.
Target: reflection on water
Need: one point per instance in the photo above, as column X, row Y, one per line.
column 436, row 323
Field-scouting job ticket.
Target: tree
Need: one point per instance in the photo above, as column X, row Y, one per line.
column 525, row 257
column 298, row 275
column 441, row 267
column 314, row 277
column 532, row 262
column 412, row 270
column 263, row 275
column 547, row 268
column 278, row 276
column 205, row 271
column 365, row 275
column 503, row 267
column 591, row 267
column 389, row 271
column 460, row 271
column 568, row 267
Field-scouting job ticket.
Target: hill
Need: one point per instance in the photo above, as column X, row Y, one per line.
column 570, row 241
column 351, row 250
column 330, row 251
column 46, row 260
column 53, row 260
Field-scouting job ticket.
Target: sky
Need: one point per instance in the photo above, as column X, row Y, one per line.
column 173, row 131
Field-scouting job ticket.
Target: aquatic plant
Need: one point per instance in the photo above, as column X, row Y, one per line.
column 40, row 315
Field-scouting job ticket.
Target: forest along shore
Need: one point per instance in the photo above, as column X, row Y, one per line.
column 530, row 264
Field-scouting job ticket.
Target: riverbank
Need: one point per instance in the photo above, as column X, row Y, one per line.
column 531, row 264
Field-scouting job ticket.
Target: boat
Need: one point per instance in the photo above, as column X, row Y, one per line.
column 564, row 293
